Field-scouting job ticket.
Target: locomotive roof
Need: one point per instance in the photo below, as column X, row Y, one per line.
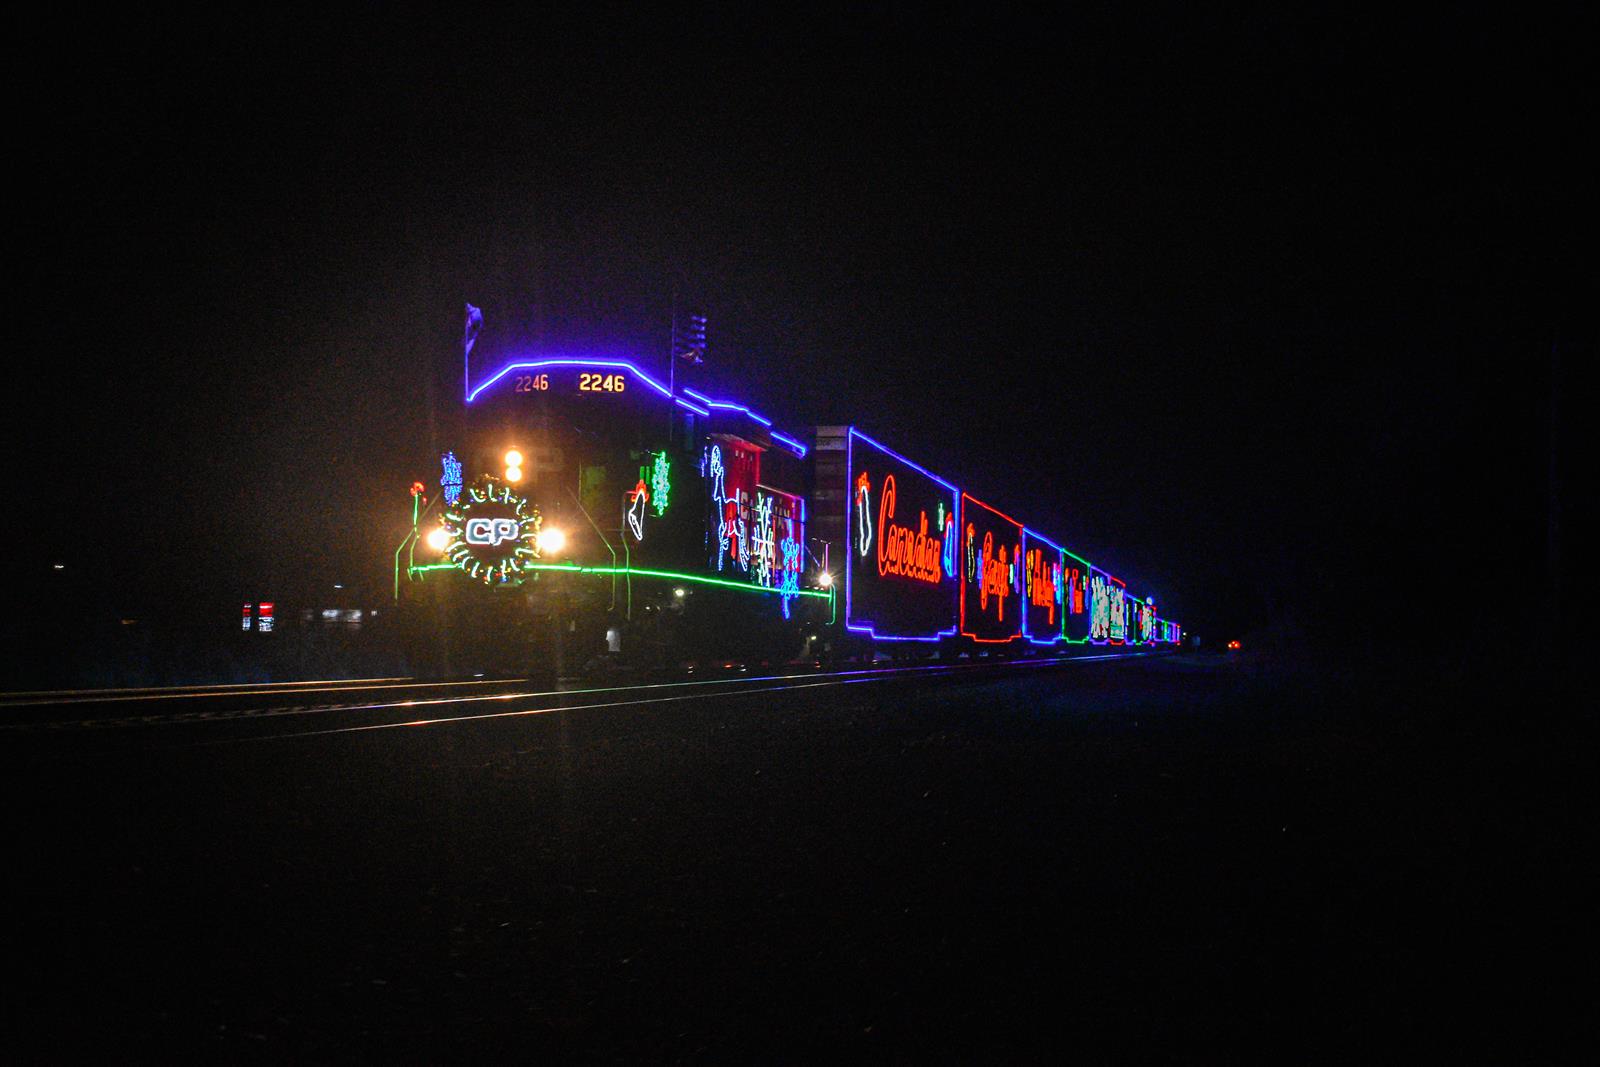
column 690, row 399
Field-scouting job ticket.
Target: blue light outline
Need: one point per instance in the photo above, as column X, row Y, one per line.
column 784, row 439
column 791, row 442
column 774, row 434
column 708, row 402
column 849, row 465
column 1027, row 532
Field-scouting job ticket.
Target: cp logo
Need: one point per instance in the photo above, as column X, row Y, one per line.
column 491, row 531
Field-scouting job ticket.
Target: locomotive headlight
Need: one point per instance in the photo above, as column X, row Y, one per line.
column 513, row 458
column 438, row 538
column 551, row 540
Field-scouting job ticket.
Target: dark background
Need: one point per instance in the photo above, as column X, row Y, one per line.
column 1261, row 310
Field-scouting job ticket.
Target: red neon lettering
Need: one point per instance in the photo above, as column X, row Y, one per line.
column 1041, row 583
column 903, row 551
column 996, row 578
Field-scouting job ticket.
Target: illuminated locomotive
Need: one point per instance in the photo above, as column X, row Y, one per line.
column 596, row 517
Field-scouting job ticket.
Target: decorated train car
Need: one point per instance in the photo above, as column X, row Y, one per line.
column 595, row 515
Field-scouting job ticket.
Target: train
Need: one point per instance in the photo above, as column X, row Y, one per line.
column 598, row 516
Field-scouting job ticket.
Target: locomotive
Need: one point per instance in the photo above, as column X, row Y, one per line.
column 595, row 517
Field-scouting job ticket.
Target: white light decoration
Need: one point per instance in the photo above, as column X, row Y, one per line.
column 638, row 497
column 494, row 532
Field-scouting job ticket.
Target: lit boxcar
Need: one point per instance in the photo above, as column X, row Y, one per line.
column 890, row 525
column 1045, row 575
column 992, row 574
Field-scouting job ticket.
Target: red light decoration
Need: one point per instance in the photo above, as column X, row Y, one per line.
column 638, row 497
column 903, row 591
column 996, row 577
column 1044, row 583
column 995, row 571
column 902, row 550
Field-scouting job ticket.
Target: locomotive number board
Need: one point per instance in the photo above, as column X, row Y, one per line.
column 569, row 380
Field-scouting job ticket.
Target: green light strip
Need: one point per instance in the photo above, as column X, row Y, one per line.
column 573, row 568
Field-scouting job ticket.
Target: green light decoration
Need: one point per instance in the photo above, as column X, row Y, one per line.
column 642, row 572
column 660, row 484
column 494, row 532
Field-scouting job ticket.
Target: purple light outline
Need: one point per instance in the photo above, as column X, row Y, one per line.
column 536, row 364
column 708, row 402
column 849, row 465
column 774, row 434
column 1062, row 636
column 791, row 442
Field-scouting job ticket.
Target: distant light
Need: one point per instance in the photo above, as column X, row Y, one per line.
column 1234, row 646
column 513, row 474
column 336, row 585
column 58, row 566
column 438, row 538
column 551, row 540
column 825, row 579
column 680, row 592
column 513, row 458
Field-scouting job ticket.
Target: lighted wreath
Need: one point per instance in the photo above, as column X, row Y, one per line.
column 494, row 532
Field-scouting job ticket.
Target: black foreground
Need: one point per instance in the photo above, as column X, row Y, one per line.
column 1187, row 856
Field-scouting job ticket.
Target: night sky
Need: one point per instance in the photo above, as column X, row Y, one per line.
column 1255, row 310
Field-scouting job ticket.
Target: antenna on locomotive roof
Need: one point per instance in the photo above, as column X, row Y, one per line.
column 469, row 337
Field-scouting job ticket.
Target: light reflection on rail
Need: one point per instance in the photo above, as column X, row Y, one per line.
column 738, row 686
column 793, row 682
